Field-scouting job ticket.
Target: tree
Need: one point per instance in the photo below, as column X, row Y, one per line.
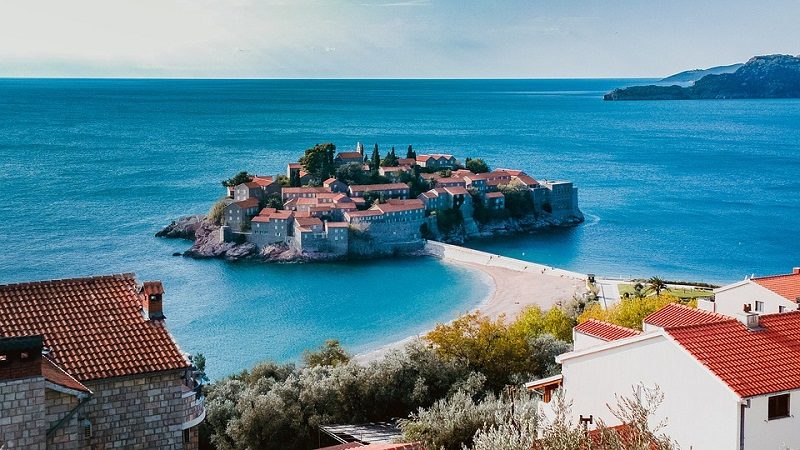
column 476, row 165
column 518, row 199
column 318, row 161
column 487, row 346
column 390, row 160
column 630, row 312
column 282, row 180
column 410, row 153
column 376, row 159
column 330, row 353
column 534, row 322
column 239, row 178
column 656, row 284
column 273, row 200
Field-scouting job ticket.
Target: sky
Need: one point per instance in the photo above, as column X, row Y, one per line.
column 387, row 38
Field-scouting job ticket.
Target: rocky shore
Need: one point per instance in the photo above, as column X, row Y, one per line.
column 207, row 243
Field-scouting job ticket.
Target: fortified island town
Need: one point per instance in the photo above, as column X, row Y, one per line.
column 350, row 204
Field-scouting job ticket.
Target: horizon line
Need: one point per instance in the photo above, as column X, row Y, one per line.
column 323, row 78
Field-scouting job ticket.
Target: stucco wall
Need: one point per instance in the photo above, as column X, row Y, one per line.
column 730, row 301
column 701, row 412
column 778, row 434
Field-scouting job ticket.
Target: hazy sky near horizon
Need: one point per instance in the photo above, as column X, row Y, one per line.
column 387, row 38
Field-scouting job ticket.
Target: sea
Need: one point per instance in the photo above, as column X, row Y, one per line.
column 90, row 169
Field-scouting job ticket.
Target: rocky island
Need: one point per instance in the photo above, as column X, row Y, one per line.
column 771, row 76
column 331, row 206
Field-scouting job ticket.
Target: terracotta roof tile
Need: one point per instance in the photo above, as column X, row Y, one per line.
column 604, row 330
column 787, row 286
column 93, row 326
column 751, row 362
column 350, row 155
column 675, row 315
column 494, row 195
column 56, row 375
column 378, row 187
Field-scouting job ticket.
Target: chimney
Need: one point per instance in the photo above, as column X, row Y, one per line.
column 152, row 293
column 750, row 320
column 747, row 307
column 20, row 357
column 796, row 270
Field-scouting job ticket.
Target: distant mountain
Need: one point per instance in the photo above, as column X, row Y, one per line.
column 771, row 76
column 690, row 76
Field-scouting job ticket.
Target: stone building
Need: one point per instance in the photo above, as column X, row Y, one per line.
column 237, row 214
column 88, row 363
column 388, row 190
column 437, row 161
column 270, row 227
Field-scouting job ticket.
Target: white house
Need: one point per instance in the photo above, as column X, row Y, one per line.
column 761, row 295
column 727, row 383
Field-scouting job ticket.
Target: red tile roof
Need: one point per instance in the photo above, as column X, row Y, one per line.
column 94, row 326
column 251, row 202
column 494, row 195
column 56, row 375
column 378, row 187
column 456, row 190
column 527, row 180
column 676, row 315
column 787, row 286
column 350, row 155
column 303, row 190
column 604, row 330
column 751, row 362
column 434, row 156
column 307, row 221
column 400, row 205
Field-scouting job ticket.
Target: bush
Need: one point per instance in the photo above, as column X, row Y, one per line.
column 505, row 354
column 281, row 406
column 630, row 312
column 217, row 211
column 330, row 353
column 519, row 201
column 451, row 423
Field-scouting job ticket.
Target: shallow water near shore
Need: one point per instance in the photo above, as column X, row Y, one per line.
column 90, row 169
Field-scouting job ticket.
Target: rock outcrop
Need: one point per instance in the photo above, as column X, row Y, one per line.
column 183, row 228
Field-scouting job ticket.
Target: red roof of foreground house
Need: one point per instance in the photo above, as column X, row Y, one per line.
column 676, row 315
column 750, row 362
column 787, row 286
column 604, row 330
column 94, row 326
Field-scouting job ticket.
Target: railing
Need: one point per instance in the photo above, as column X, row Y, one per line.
column 193, row 402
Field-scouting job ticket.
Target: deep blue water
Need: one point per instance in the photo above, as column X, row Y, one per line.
column 90, row 169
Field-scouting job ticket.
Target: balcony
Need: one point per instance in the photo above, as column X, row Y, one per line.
column 193, row 402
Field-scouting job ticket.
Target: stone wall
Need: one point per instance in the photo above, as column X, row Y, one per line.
column 70, row 434
column 22, row 414
column 137, row 412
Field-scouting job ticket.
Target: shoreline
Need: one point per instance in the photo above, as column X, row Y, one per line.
column 511, row 292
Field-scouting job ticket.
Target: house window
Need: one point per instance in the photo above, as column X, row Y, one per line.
column 759, row 306
column 778, row 407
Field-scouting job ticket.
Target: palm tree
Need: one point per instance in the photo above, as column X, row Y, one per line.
column 656, row 284
column 638, row 290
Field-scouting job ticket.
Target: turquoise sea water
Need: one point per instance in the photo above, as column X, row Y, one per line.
column 90, row 169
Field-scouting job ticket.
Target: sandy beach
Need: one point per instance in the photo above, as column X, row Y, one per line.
column 514, row 289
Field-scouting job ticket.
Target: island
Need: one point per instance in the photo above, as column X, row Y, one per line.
column 332, row 206
column 770, row 76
